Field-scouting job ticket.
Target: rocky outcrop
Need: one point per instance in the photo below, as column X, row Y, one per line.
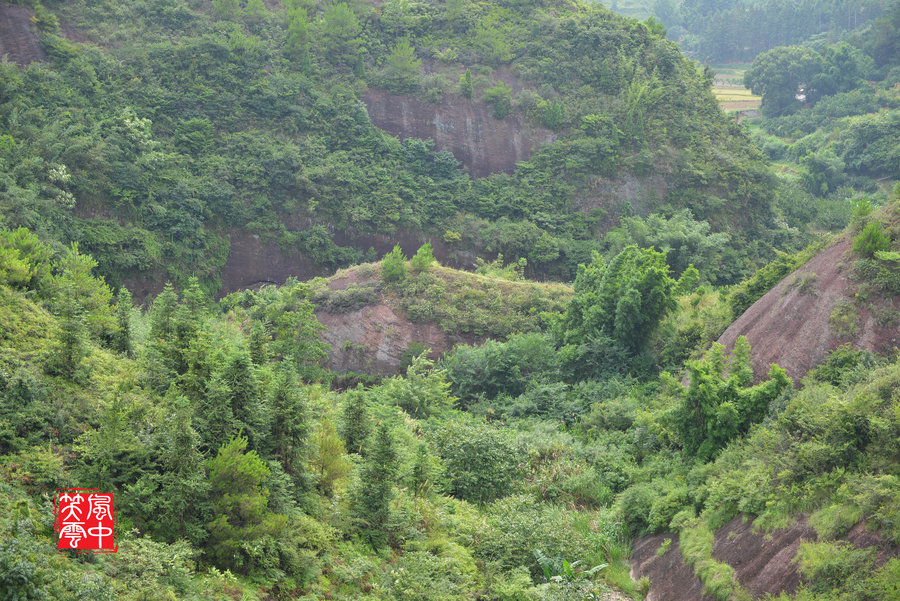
column 373, row 337
column 18, row 41
column 792, row 324
column 763, row 562
column 467, row 128
column 254, row 261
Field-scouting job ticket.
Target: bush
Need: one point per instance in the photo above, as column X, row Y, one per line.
column 393, row 266
column 501, row 97
column 480, row 461
column 635, row 505
column 422, row 260
column 871, row 240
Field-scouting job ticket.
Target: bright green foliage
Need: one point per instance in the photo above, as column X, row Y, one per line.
column 422, row 260
column 376, row 487
column 71, row 346
column 226, row 8
column 465, row 84
column 329, row 460
column 24, row 259
column 73, row 282
column 871, row 240
column 491, row 42
column 258, row 343
column 255, row 11
column 622, row 300
column 481, row 462
column 289, row 435
column 423, row 392
column 393, row 266
column 715, row 409
column 743, row 295
column 554, row 115
column 683, row 239
column 357, row 423
column 422, row 476
column 430, row 575
column 290, row 318
column 239, row 506
column 500, row 96
column 297, row 45
column 495, row 368
column 340, row 33
column 401, row 69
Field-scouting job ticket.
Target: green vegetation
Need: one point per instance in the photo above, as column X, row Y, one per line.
column 151, row 161
column 517, row 468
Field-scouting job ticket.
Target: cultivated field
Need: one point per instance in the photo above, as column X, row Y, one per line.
column 729, row 88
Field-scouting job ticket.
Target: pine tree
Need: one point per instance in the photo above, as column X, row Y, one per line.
column 357, row 424
column 244, row 395
column 182, row 486
column 422, row 260
column 215, row 421
column 163, row 313
column 71, row 345
column 465, row 84
column 329, row 457
column 239, row 506
column 393, row 266
column 297, row 45
column 422, row 470
column 290, row 430
column 122, row 339
column 372, row 502
column 258, row 342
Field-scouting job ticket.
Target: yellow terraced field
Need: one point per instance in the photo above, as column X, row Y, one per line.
column 730, row 92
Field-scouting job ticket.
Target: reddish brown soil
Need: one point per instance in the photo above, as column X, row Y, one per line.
column 373, row 338
column 670, row 578
column 763, row 562
column 467, row 128
column 18, row 41
column 792, row 328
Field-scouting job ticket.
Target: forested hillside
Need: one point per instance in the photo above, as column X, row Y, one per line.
column 719, row 31
column 157, row 134
column 831, row 119
column 173, row 173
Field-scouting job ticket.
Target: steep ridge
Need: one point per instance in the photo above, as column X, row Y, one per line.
column 811, row 312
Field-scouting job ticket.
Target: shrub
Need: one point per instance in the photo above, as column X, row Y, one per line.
column 871, row 240
column 423, row 259
column 480, row 461
column 393, row 266
column 500, row 96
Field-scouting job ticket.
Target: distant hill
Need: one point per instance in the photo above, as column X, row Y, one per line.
column 166, row 138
